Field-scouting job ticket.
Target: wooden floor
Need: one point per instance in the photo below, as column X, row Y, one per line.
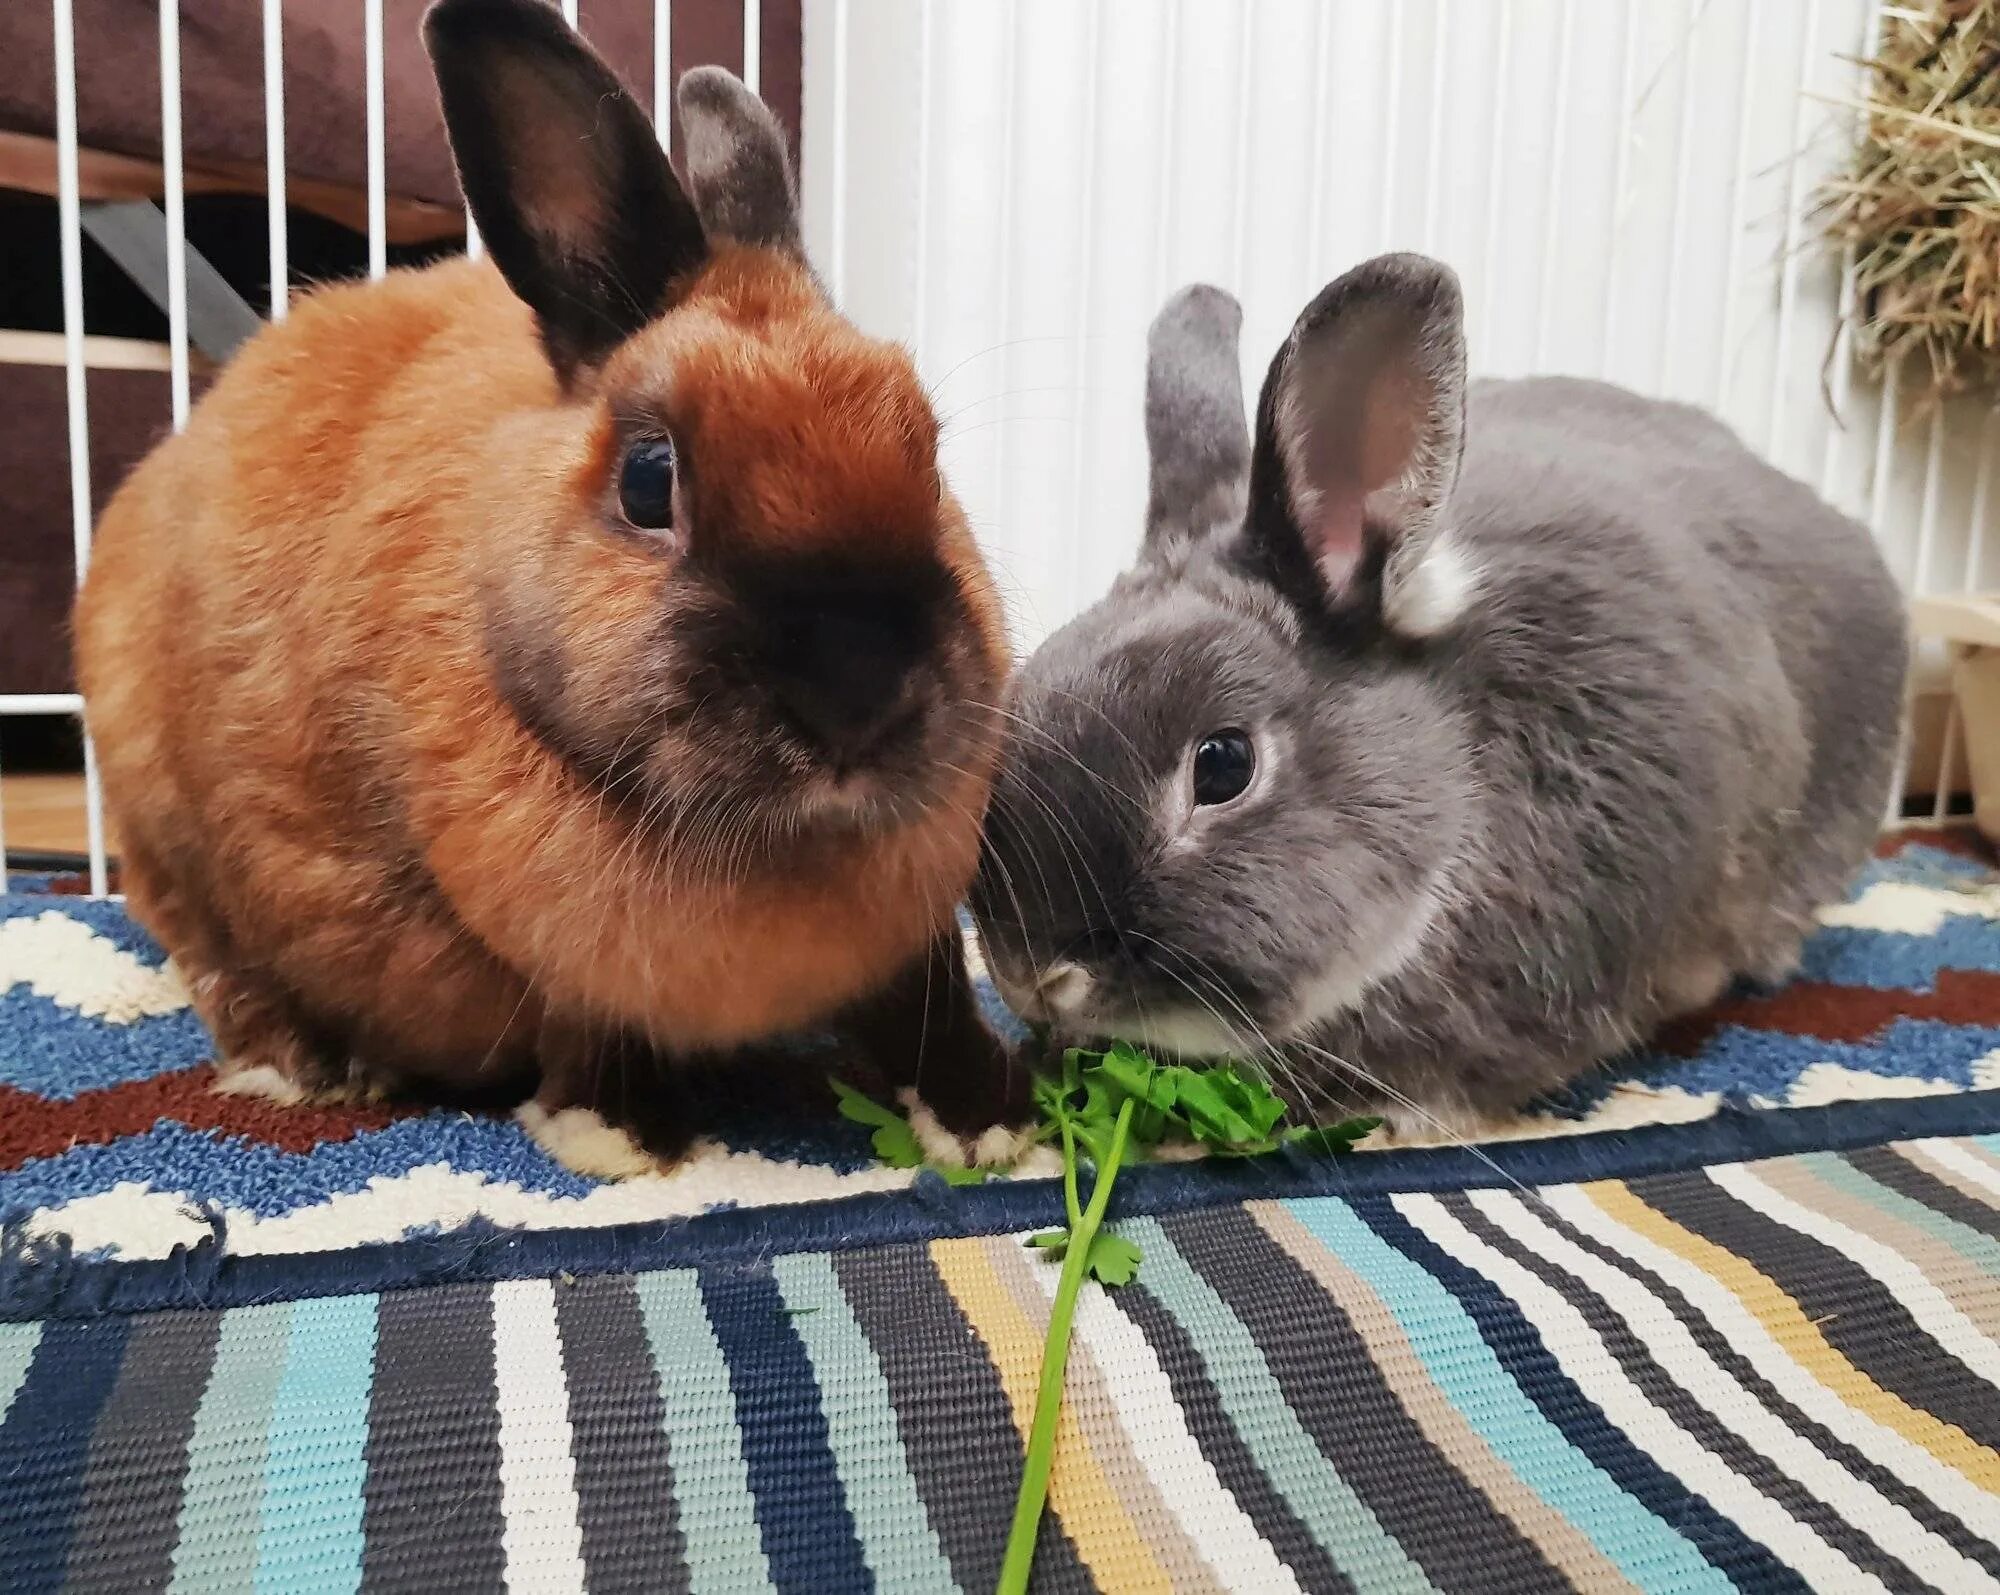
column 45, row 814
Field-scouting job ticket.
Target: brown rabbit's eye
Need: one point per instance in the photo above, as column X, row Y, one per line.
column 1224, row 761
column 646, row 484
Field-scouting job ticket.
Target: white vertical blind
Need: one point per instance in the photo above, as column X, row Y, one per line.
column 1624, row 186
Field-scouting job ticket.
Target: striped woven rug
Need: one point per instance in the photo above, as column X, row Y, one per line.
column 1725, row 1316
column 1769, row 1375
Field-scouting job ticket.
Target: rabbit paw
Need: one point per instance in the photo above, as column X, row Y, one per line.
column 584, row 1142
column 998, row 1146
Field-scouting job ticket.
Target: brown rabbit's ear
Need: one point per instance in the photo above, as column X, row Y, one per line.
column 563, row 172
column 736, row 162
column 1358, row 441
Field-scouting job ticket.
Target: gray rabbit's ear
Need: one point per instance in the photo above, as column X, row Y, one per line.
column 1359, row 436
column 1196, row 437
column 737, row 165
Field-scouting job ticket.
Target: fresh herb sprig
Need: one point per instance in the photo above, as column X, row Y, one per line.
column 1105, row 1108
column 894, row 1141
column 1106, row 1104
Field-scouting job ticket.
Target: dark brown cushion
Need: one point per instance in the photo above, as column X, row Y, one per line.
column 222, row 80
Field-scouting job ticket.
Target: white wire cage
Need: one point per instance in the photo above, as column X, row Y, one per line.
column 1626, row 188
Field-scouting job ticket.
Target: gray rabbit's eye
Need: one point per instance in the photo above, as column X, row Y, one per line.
column 1223, row 764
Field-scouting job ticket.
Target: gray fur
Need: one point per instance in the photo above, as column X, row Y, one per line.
column 737, row 169
column 1656, row 736
column 1195, row 432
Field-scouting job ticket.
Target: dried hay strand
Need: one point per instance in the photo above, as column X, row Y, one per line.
column 1920, row 206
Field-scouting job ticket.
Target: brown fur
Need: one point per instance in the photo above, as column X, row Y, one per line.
column 298, row 613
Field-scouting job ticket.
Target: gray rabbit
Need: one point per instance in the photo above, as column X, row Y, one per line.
column 1442, row 742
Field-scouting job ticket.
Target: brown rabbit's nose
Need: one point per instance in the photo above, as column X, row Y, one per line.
column 845, row 674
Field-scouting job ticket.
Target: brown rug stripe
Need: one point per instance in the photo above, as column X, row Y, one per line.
column 33, row 1126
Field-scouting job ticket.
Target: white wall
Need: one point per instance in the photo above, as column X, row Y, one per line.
column 1013, row 186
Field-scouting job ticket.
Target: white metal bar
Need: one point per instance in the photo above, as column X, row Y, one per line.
column 18, row 703
column 1788, row 273
column 1927, row 516
column 1434, row 138
column 1841, row 358
column 837, row 269
column 1948, row 753
column 1621, row 158
column 274, row 154
column 1677, row 222
column 378, row 187
column 1878, row 502
column 69, row 215
column 1982, row 495
column 1487, row 335
column 1552, row 188
column 663, row 72
column 176, row 208
column 70, row 230
column 1885, row 438
column 93, row 813
column 1392, row 116
column 753, row 46
column 568, row 11
column 1731, row 258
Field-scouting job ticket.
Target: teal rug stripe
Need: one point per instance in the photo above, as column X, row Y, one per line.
column 1321, row 1499
column 1961, row 1238
column 223, row 1502
column 17, row 1350
column 725, row 1550
column 897, row 1539
column 1463, row 1366
column 310, row 1537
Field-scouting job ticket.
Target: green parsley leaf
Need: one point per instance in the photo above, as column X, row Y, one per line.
column 1330, row 1138
column 894, row 1141
column 1113, row 1260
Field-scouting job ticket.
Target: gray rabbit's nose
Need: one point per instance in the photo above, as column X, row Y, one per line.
column 1063, row 988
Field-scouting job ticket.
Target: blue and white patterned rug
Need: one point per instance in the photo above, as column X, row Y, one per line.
column 113, row 1144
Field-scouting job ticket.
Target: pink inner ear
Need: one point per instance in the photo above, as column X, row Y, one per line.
column 1335, row 536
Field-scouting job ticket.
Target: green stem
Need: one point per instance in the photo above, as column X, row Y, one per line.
column 1055, row 1357
column 1069, row 1173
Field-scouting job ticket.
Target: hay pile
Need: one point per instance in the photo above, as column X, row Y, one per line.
column 1921, row 204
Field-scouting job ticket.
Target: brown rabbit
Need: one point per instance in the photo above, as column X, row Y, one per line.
column 564, row 666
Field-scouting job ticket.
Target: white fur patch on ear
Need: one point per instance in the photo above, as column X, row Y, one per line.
column 1433, row 593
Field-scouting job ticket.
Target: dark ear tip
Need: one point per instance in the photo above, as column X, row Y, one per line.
column 1413, row 277
column 714, row 91
column 454, row 24
column 1199, row 311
